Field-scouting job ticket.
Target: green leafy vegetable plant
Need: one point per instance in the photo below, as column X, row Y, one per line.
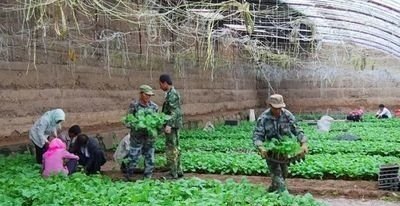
column 22, row 184
column 284, row 148
column 146, row 119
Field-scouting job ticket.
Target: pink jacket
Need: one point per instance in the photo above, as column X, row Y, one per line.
column 53, row 158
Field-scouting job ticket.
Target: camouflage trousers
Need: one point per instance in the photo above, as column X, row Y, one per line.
column 173, row 153
column 141, row 146
column 278, row 175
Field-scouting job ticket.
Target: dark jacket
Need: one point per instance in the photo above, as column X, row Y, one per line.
column 91, row 155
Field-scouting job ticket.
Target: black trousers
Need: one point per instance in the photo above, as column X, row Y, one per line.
column 355, row 118
column 384, row 117
column 93, row 163
column 72, row 165
column 39, row 151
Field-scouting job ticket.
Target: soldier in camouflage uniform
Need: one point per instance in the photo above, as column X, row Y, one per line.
column 172, row 107
column 141, row 143
column 276, row 122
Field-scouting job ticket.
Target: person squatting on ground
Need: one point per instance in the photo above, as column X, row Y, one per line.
column 276, row 122
column 55, row 158
column 44, row 128
column 69, row 138
column 355, row 115
column 141, row 142
column 172, row 107
column 91, row 156
column 383, row 112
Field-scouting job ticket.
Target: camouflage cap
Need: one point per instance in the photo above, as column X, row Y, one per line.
column 146, row 89
column 276, row 101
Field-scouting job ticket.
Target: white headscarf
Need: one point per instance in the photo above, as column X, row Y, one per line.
column 54, row 116
column 46, row 125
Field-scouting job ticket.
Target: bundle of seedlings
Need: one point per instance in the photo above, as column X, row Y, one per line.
column 147, row 120
column 284, row 149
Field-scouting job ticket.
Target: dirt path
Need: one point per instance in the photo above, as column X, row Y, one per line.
column 331, row 192
column 319, row 188
column 354, row 202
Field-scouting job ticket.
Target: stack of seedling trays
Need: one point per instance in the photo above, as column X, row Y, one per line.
column 389, row 177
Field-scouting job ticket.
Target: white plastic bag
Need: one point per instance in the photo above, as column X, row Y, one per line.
column 324, row 124
column 252, row 115
column 122, row 149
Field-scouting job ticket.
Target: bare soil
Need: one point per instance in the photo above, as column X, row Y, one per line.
column 319, row 188
column 357, row 202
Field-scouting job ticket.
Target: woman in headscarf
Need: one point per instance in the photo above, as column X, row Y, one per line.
column 46, row 126
column 55, row 157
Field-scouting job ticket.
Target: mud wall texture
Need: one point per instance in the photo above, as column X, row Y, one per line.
column 92, row 96
column 94, row 78
column 95, row 95
column 94, row 73
column 342, row 80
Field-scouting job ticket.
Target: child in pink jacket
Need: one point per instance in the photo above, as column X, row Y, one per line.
column 53, row 158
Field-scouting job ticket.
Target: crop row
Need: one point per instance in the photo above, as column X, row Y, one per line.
column 318, row 166
column 21, row 184
column 365, row 134
column 315, row 146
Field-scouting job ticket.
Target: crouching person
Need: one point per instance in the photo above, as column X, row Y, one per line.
column 355, row 115
column 383, row 112
column 70, row 139
column 55, row 157
column 91, row 156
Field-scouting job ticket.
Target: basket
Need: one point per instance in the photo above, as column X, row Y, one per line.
column 388, row 178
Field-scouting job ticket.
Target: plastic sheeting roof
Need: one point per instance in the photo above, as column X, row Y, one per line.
column 369, row 23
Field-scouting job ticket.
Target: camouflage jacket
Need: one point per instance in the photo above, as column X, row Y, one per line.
column 136, row 106
column 269, row 127
column 172, row 107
